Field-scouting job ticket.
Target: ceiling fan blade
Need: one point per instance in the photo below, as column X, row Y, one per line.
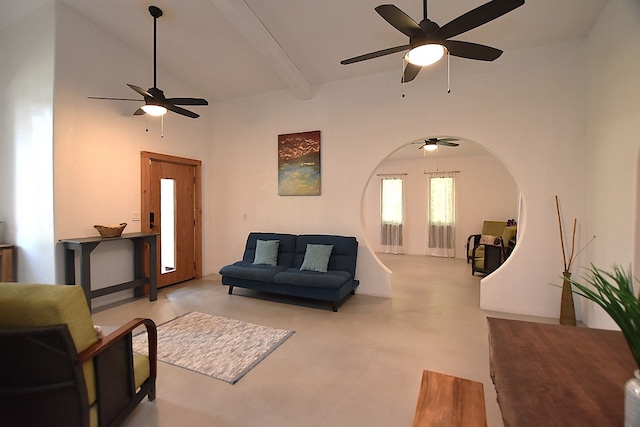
column 156, row 93
column 477, row 17
column 115, row 99
column 139, row 112
column 375, row 54
column 410, row 72
column 400, row 20
column 447, row 144
column 187, row 101
column 472, row 50
column 181, row 111
column 140, row 91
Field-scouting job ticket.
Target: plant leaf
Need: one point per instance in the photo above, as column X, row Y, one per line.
column 613, row 291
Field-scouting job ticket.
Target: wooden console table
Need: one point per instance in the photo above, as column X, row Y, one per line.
column 557, row 375
column 83, row 246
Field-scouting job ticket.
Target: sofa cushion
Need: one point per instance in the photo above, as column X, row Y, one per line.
column 249, row 271
column 332, row 279
column 316, row 258
column 286, row 248
column 343, row 256
column 266, row 252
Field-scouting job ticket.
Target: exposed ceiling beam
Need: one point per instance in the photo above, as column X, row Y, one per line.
column 240, row 15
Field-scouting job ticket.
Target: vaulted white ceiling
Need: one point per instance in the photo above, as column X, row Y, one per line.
column 227, row 49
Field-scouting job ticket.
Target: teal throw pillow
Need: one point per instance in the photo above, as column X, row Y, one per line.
column 316, row 258
column 266, row 252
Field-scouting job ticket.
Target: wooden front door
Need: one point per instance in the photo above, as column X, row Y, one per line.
column 171, row 198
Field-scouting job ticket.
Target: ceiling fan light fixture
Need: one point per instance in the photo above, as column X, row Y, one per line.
column 425, row 54
column 430, row 147
column 154, row 110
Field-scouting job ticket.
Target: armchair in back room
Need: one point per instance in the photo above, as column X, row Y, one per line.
column 492, row 252
column 489, row 228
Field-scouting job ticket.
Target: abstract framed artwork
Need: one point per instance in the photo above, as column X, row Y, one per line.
column 299, row 164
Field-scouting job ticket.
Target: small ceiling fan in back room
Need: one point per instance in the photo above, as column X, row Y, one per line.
column 155, row 103
column 432, row 144
column 428, row 42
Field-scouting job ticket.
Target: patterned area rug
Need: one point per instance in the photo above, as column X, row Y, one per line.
column 221, row 348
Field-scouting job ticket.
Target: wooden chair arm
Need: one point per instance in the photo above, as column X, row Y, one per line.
column 112, row 338
column 475, row 237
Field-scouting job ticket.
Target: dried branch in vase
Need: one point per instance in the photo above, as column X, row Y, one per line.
column 568, row 261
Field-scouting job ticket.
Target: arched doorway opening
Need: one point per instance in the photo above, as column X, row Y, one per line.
column 484, row 190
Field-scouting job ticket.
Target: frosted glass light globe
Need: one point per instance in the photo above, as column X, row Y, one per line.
column 426, row 54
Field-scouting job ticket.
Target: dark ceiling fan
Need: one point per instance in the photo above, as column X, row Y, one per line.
column 430, row 38
column 433, row 143
column 154, row 101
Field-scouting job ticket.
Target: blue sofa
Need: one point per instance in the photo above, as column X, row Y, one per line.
column 296, row 270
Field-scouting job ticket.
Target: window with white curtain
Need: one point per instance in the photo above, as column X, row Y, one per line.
column 391, row 213
column 442, row 215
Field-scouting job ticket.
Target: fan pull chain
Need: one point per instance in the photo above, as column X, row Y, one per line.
column 146, row 123
column 448, row 72
column 404, row 68
column 162, row 126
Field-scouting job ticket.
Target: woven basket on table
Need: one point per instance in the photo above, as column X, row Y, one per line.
column 110, row 230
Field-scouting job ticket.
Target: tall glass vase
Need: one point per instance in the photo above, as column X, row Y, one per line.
column 632, row 401
column 567, row 309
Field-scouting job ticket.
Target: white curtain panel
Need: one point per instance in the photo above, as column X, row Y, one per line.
column 442, row 214
column 391, row 213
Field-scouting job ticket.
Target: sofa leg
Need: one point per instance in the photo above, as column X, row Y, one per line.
column 334, row 307
column 230, row 290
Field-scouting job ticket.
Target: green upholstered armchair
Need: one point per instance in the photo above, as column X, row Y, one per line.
column 492, row 251
column 489, row 228
column 55, row 371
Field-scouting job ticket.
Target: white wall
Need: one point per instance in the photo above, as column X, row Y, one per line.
column 26, row 141
column 613, row 130
column 527, row 108
column 98, row 142
column 485, row 190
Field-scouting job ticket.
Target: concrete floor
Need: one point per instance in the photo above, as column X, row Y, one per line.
column 358, row 367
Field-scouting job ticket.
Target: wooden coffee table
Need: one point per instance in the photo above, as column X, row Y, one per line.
column 446, row 401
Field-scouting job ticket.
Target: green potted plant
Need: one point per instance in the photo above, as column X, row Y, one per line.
column 613, row 291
